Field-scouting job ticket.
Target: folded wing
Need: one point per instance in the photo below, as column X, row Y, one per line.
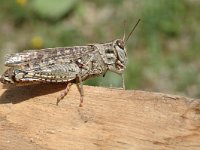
column 47, row 55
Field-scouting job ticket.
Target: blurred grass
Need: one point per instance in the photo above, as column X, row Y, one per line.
column 163, row 52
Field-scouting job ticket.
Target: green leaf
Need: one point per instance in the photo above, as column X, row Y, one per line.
column 52, row 9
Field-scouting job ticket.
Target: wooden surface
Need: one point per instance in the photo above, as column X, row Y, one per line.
column 110, row 119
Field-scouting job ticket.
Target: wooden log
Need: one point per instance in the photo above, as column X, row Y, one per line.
column 110, row 119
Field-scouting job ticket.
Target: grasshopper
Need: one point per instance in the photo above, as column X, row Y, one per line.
column 67, row 64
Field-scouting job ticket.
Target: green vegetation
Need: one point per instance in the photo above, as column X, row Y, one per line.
column 163, row 52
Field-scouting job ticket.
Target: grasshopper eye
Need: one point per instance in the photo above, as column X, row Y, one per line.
column 120, row 43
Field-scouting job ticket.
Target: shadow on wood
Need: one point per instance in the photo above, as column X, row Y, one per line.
column 15, row 94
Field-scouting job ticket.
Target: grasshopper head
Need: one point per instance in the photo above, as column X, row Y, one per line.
column 121, row 54
column 120, row 51
column 117, row 55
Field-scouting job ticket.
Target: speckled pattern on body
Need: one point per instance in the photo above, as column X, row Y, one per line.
column 65, row 64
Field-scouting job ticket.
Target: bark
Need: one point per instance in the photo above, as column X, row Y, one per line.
column 109, row 119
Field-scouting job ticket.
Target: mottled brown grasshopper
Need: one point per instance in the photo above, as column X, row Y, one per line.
column 66, row 64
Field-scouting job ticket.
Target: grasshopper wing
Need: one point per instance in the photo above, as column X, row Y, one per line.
column 45, row 65
column 48, row 55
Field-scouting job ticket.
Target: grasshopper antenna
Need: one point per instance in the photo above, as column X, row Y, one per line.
column 124, row 30
column 131, row 31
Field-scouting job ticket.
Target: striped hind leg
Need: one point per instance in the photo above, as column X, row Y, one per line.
column 79, row 85
column 64, row 93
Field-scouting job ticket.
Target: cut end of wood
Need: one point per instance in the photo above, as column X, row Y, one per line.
column 109, row 119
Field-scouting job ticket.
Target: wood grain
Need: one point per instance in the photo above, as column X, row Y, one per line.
column 110, row 119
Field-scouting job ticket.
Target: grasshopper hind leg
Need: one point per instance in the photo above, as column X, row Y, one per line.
column 79, row 85
column 64, row 93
